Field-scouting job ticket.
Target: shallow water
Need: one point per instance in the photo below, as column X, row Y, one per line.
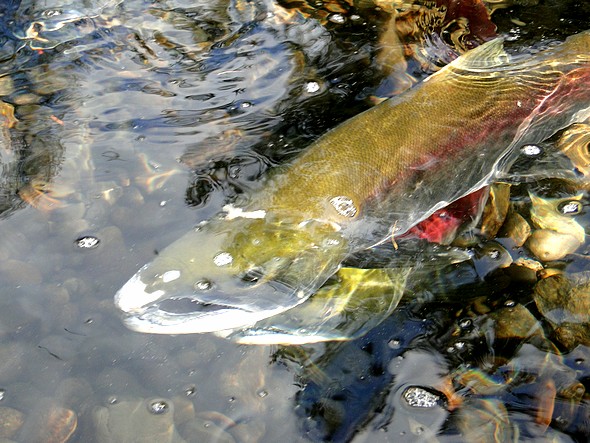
column 139, row 119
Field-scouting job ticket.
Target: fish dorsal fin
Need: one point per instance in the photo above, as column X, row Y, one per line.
column 489, row 55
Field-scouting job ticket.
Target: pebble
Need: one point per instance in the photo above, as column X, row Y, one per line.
column 11, row 360
column 16, row 272
column 548, row 245
column 49, row 423
column 11, row 421
column 130, row 421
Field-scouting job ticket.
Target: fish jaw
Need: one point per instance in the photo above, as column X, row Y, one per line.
column 230, row 273
column 158, row 321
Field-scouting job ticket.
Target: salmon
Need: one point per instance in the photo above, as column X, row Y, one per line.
column 371, row 178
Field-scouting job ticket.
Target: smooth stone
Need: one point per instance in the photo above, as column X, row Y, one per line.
column 11, row 360
column 549, row 245
column 130, row 421
column 11, row 421
column 515, row 322
column 15, row 273
column 49, row 423
column 202, row 430
column 73, row 392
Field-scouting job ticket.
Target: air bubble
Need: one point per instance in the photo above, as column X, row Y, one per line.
column 344, row 205
column 572, row 207
column 158, row 407
column 494, row 254
column 466, row 323
column 418, row 397
column 87, row 242
column 312, row 87
column 531, row 150
column 394, row 343
column 190, row 391
column 337, row 18
column 203, row 285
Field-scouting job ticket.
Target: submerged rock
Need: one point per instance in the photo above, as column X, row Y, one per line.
column 564, row 301
column 138, row 420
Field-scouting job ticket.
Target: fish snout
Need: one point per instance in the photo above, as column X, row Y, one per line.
column 199, row 284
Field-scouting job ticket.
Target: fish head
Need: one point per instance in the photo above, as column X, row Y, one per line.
column 231, row 273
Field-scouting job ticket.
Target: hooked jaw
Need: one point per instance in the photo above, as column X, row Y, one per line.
column 178, row 310
column 172, row 303
column 229, row 274
column 195, row 285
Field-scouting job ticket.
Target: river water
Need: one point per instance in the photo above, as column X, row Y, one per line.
column 133, row 121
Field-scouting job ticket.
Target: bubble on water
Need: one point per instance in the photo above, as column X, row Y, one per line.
column 158, row 407
column 190, row 391
column 531, row 150
column 223, row 259
column 203, row 285
column 312, row 87
column 394, row 343
column 337, row 18
column 419, row 397
column 571, row 207
column 494, row 254
column 87, row 242
column 234, row 171
column 466, row 323
column 331, row 242
column 52, row 12
column 344, row 205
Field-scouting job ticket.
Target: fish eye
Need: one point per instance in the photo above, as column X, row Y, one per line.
column 252, row 276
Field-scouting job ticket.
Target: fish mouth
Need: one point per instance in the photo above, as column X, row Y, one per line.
column 160, row 309
column 217, row 278
column 189, row 315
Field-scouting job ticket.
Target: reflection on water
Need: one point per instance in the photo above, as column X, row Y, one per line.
column 133, row 120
